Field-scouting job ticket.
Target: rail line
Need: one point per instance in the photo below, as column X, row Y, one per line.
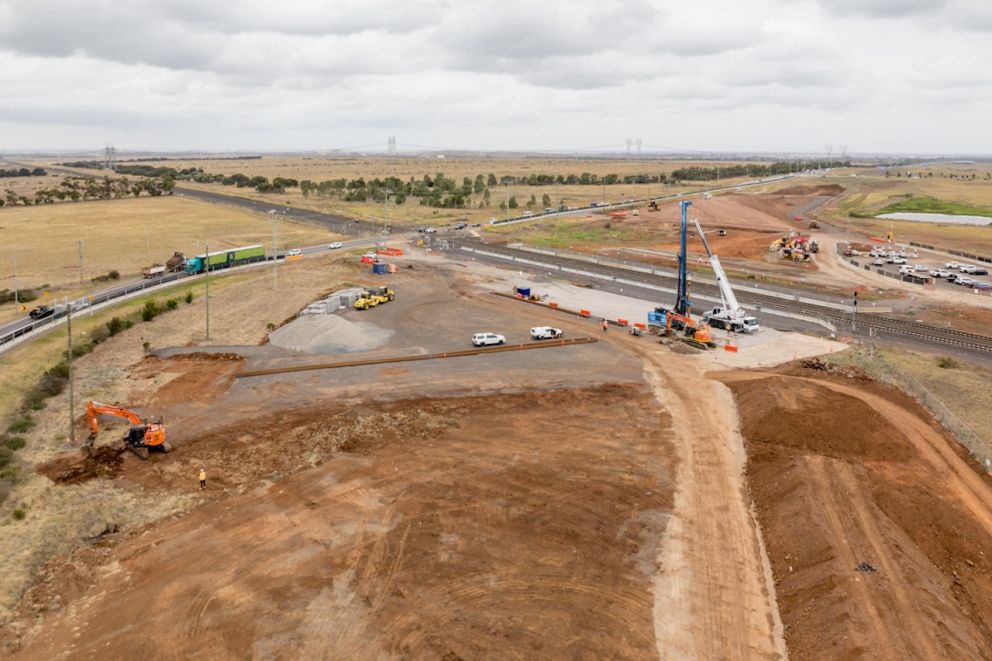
column 480, row 351
column 858, row 324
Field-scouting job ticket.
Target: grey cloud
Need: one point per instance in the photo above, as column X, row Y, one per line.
column 881, row 8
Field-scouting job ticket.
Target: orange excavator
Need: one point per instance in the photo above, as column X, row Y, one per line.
column 143, row 435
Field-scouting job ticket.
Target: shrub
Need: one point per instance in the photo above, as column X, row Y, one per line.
column 21, row 425
column 115, row 326
column 947, row 363
column 146, row 346
column 114, row 275
column 172, row 304
column 6, row 455
column 18, row 514
column 150, row 311
column 189, row 297
column 15, row 442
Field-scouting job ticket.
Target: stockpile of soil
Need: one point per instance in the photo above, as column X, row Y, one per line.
column 825, row 189
column 104, row 461
column 879, row 533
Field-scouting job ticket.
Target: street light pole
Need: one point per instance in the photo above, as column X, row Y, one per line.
column 275, row 251
column 206, row 287
column 68, row 359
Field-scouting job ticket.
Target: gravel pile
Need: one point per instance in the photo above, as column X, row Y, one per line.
column 329, row 334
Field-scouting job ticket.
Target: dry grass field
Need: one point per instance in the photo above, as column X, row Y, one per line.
column 124, row 235
column 870, row 191
column 411, row 212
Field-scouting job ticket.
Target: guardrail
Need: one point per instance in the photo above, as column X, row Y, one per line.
column 956, row 253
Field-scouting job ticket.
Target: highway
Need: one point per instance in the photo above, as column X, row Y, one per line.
column 27, row 326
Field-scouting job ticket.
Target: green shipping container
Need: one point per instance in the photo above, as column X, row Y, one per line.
column 248, row 252
column 217, row 258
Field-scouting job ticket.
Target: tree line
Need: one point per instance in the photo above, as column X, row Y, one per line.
column 81, row 189
column 697, row 173
column 22, row 172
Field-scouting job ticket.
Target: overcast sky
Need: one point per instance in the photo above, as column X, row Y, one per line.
column 757, row 75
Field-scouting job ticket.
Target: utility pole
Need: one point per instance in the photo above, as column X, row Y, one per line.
column 275, row 251
column 68, row 359
column 206, row 287
column 80, row 246
column 17, row 301
column 508, row 200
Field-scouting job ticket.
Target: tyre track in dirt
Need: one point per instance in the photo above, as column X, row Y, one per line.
column 881, row 529
column 714, row 594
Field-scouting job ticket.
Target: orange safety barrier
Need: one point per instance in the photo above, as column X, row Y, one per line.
column 584, row 313
column 552, row 304
column 622, row 322
column 640, row 325
column 730, row 347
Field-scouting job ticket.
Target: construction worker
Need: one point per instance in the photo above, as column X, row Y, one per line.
column 203, row 479
column 606, row 325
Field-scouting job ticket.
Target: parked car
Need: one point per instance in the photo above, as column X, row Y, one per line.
column 878, row 262
column 429, row 230
column 952, row 265
column 980, row 271
column 897, row 260
column 461, row 226
column 545, row 333
column 968, row 268
column 41, row 312
column 920, row 267
column 486, row 339
column 335, row 245
column 937, row 273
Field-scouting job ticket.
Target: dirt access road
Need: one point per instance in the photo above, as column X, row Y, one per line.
column 845, row 471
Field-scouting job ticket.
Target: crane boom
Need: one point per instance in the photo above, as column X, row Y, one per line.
column 726, row 291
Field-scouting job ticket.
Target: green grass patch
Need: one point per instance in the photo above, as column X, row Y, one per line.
column 934, row 205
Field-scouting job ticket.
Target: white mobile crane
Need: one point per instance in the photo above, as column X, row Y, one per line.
column 731, row 316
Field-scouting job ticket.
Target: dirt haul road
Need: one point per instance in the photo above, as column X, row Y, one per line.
column 715, row 597
column 879, row 527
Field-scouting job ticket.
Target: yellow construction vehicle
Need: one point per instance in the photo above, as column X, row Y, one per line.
column 813, row 225
column 141, row 437
column 373, row 297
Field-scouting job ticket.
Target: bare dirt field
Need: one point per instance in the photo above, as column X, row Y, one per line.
column 878, row 527
column 601, row 500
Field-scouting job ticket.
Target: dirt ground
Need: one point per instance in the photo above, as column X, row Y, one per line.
column 878, row 528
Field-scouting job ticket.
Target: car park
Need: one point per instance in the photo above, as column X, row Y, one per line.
column 487, row 339
column 335, row 245
column 545, row 333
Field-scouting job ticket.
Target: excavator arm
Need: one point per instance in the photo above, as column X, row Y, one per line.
column 95, row 409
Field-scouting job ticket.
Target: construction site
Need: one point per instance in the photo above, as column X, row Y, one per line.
column 464, row 445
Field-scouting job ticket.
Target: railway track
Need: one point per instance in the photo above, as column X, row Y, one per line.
column 864, row 324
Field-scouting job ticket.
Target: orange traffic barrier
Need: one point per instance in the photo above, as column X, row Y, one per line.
column 730, row 347
column 552, row 304
column 642, row 326
column 584, row 313
column 622, row 322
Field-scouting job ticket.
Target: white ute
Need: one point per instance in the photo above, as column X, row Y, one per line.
column 545, row 333
column 486, row 339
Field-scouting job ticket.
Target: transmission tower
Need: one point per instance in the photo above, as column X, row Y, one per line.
column 639, row 143
column 110, row 157
column 843, row 152
column 629, row 143
column 391, row 146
